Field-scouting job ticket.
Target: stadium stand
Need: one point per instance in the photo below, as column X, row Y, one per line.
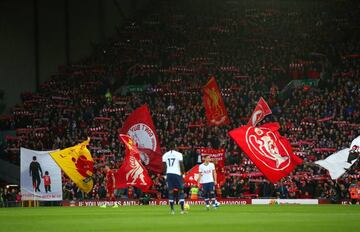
column 303, row 58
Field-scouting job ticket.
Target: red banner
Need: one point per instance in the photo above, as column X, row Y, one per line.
column 267, row 149
column 217, row 156
column 261, row 110
column 140, row 127
column 132, row 172
column 214, row 106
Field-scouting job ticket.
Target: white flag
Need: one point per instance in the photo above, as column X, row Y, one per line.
column 337, row 163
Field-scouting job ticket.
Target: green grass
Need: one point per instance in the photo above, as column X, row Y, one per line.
column 289, row 218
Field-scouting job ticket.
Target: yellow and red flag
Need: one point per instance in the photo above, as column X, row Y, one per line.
column 77, row 164
column 216, row 113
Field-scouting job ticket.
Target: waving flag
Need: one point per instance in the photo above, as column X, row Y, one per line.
column 192, row 176
column 77, row 164
column 339, row 162
column 261, row 110
column 267, row 149
column 132, row 172
column 130, row 146
column 140, row 127
column 215, row 109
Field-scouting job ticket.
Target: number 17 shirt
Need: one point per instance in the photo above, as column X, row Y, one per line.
column 172, row 159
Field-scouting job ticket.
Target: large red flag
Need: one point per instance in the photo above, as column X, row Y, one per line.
column 192, row 176
column 214, row 106
column 132, row 172
column 261, row 110
column 267, row 149
column 140, row 127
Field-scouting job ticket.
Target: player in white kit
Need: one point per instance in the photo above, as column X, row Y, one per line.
column 207, row 177
column 174, row 169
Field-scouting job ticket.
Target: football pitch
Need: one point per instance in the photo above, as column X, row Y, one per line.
column 289, row 218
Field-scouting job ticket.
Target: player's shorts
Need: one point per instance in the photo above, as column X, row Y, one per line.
column 174, row 181
column 208, row 187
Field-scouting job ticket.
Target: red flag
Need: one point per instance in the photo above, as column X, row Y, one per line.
column 261, row 110
column 214, row 106
column 217, row 156
column 267, row 149
column 132, row 172
column 130, row 146
column 140, row 127
column 192, row 176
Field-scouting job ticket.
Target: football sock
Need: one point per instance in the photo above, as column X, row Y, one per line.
column 171, row 204
column 171, row 200
column 212, row 197
column 207, row 201
column 213, row 200
column 182, row 202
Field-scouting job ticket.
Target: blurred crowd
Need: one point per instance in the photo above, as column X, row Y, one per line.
column 303, row 57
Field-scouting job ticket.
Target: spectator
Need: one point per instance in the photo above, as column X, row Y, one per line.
column 254, row 51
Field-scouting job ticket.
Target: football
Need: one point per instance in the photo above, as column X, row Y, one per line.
column 187, row 206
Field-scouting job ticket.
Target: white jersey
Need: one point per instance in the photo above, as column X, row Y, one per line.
column 206, row 172
column 172, row 159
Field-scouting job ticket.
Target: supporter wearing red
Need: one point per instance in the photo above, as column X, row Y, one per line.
column 110, row 183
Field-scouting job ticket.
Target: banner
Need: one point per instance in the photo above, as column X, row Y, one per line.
column 140, row 127
column 91, row 203
column 267, row 149
column 133, row 89
column 285, row 201
column 300, row 83
column 261, row 110
column 77, row 164
column 192, row 176
column 132, row 172
column 214, row 106
column 217, row 156
column 339, row 162
column 40, row 176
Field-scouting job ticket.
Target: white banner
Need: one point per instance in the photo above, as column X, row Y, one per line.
column 285, row 201
column 40, row 176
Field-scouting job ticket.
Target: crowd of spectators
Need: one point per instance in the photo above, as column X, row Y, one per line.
column 164, row 57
